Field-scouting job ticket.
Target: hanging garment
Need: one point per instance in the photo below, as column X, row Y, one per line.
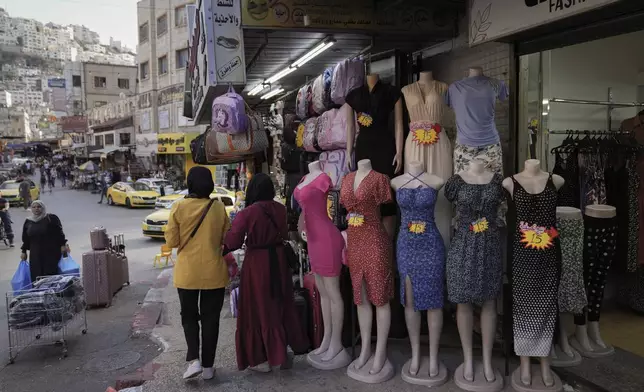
column 491, row 154
column 572, row 292
column 428, row 143
column 535, row 260
column 568, row 169
column 324, row 241
column 474, row 261
column 640, row 208
column 600, row 245
column 633, row 215
column 420, row 252
column 369, row 247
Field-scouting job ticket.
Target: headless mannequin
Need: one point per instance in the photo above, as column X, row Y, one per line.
column 380, row 363
column 388, row 221
column 412, row 317
column 425, row 79
column 475, row 71
column 534, row 180
column 331, row 354
column 588, row 336
column 569, row 356
column 476, row 173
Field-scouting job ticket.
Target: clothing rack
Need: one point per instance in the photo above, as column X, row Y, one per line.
column 578, row 132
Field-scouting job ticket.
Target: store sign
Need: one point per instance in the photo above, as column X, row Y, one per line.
column 363, row 15
column 146, row 144
column 73, row 123
column 216, row 49
column 56, row 82
column 170, row 94
column 175, row 143
column 493, row 19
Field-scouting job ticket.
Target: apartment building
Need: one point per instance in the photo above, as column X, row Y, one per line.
column 14, row 123
column 90, row 85
column 5, row 99
column 162, row 55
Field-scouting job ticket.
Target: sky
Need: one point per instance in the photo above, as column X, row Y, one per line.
column 109, row 18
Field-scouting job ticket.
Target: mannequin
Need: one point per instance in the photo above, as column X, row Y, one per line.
column 478, row 198
column 420, row 371
column 369, row 254
column 427, row 142
column 572, row 296
column 475, row 71
column 534, row 264
column 331, row 354
column 376, row 143
column 588, row 340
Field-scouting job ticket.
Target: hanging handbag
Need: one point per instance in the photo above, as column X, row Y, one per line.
column 221, row 145
column 291, row 257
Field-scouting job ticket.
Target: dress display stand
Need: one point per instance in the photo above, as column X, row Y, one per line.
column 533, row 264
column 587, row 339
column 417, row 192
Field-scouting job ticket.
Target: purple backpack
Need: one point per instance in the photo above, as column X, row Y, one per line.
column 334, row 164
column 229, row 113
column 347, row 75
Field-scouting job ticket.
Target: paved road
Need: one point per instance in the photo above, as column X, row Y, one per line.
column 79, row 212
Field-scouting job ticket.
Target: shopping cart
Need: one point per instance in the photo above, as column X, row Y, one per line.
column 46, row 314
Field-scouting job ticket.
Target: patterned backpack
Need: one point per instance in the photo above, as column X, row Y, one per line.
column 347, row 75
column 310, row 139
column 336, row 135
column 328, row 77
column 334, row 164
column 229, row 113
column 318, row 95
column 300, row 104
column 309, row 101
column 326, row 138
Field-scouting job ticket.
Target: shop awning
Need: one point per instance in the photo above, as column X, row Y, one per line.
column 104, row 152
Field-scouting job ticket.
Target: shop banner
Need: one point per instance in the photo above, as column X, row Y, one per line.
column 175, row 143
column 365, row 15
column 170, row 94
column 229, row 42
column 58, row 94
column 493, row 19
column 73, row 124
column 146, row 144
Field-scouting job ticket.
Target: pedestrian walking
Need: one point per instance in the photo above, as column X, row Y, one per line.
column 5, row 220
column 102, row 187
column 196, row 227
column 267, row 321
column 43, row 241
column 25, row 192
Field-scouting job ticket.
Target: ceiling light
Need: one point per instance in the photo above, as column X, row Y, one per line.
column 308, row 54
column 272, row 93
column 280, row 75
column 303, row 61
column 256, row 90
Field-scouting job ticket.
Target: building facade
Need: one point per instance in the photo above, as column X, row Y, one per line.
column 103, row 83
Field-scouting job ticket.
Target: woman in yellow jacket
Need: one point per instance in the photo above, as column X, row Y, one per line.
column 196, row 227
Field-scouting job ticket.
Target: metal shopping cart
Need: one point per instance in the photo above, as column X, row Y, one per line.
column 46, row 314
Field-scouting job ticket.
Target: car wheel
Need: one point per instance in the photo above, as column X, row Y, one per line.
column 127, row 203
column 110, row 201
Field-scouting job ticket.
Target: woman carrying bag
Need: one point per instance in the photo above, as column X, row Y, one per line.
column 196, row 227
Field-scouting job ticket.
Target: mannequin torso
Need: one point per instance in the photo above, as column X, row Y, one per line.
column 417, row 178
column 475, row 71
column 364, row 168
column 532, row 178
column 476, row 173
column 315, row 169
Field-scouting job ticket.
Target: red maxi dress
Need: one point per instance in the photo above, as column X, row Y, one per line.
column 267, row 321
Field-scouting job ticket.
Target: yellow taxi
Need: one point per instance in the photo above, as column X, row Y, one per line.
column 131, row 195
column 165, row 201
column 10, row 190
column 156, row 223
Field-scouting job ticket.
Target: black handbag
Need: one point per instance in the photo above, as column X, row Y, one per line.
column 291, row 257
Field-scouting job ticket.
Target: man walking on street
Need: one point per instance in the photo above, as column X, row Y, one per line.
column 103, row 187
column 25, row 192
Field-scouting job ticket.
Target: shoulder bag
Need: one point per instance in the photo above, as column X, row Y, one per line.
column 291, row 258
column 194, row 231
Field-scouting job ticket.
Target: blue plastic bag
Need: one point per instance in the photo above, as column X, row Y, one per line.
column 67, row 266
column 22, row 278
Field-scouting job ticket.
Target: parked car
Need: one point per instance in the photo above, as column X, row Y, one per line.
column 131, row 195
column 165, row 201
column 155, row 224
column 156, row 183
column 10, row 190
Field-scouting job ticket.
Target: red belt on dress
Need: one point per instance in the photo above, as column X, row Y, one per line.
column 425, row 133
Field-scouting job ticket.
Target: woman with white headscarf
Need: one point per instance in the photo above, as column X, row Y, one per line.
column 43, row 238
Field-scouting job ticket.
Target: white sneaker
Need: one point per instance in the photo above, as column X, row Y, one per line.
column 261, row 368
column 208, row 373
column 194, row 370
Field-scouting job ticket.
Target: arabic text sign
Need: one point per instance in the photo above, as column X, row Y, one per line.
column 175, row 143
column 170, row 94
column 229, row 47
column 492, row 19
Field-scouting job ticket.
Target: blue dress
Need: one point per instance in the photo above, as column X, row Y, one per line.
column 420, row 249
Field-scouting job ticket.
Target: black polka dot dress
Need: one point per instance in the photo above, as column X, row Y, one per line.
column 535, row 267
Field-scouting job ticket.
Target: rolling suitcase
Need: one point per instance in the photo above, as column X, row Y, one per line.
column 96, row 278
column 119, row 247
column 116, row 272
column 98, row 238
column 316, row 324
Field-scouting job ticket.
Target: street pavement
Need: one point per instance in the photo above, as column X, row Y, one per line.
column 110, row 350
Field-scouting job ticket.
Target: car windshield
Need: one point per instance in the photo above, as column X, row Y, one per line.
column 160, row 182
column 10, row 185
column 138, row 186
column 227, row 201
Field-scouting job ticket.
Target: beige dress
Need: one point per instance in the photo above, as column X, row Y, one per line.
column 428, row 143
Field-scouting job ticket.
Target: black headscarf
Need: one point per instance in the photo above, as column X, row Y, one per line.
column 200, row 183
column 260, row 188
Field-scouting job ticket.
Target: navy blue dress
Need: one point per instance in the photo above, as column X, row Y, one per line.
column 420, row 250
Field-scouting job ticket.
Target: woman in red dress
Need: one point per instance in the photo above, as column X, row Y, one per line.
column 267, row 321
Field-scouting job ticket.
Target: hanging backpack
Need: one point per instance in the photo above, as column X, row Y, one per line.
column 198, row 148
column 318, row 95
column 290, row 128
column 309, row 101
column 347, row 75
column 300, row 104
column 310, row 135
column 334, row 164
column 327, row 77
column 325, row 129
column 335, row 137
column 229, row 113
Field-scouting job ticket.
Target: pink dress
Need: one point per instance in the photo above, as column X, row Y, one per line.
column 325, row 243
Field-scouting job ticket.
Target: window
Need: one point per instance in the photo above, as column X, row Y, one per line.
column 98, row 140
column 162, row 25
column 143, row 33
column 100, row 82
column 78, row 105
column 124, row 139
column 109, row 139
column 181, row 58
column 163, row 65
column 98, row 104
column 124, row 83
column 76, row 80
column 145, row 70
column 180, row 16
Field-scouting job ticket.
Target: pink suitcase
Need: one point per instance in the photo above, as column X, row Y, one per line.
column 316, row 326
column 98, row 238
column 96, row 278
column 116, row 272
